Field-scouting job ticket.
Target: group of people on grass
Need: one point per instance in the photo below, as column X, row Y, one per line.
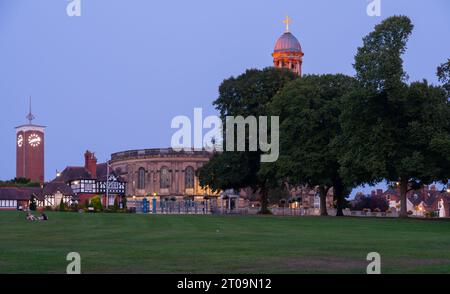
column 31, row 217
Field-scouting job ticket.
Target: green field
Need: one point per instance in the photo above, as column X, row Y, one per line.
column 124, row 243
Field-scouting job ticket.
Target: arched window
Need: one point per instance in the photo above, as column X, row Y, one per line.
column 189, row 177
column 164, row 178
column 141, row 178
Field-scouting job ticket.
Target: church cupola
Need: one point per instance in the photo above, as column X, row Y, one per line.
column 288, row 52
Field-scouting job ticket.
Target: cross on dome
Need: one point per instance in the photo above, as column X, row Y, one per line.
column 287, row 21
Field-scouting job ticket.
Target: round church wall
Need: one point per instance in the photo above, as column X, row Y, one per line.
column 164, row 173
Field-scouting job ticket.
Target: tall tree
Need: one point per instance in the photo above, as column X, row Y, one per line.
column 443, row 73
column 246, row 95
column 392, row 130
column 309, row 111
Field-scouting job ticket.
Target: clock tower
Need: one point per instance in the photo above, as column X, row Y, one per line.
column 30, row 150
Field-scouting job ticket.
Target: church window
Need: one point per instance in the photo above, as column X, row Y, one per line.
column 189, row 177
column 141, row 178
column 165, row 178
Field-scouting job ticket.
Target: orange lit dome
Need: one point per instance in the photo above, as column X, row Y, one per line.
column 287, row 43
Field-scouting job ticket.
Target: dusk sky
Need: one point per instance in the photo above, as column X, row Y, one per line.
column 113, row 78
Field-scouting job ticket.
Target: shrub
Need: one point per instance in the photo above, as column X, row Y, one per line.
column 33, row 204
column 124, row 202
column 62, row 205
column 430, row 214
column 372, row 203
column 96, row 203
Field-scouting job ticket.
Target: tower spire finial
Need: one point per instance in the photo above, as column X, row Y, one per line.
column 30, row 115
column 287, row 21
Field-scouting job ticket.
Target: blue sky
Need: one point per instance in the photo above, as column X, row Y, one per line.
column 113, row 78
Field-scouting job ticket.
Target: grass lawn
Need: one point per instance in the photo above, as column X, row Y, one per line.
column 124, row 243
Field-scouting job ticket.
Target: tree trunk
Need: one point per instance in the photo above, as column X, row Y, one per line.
column 403, row 200
column 264, row 201
column 338, row 191
column 323, row 201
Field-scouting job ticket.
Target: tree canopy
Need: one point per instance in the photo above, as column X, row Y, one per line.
column 246, row 95
column 393, row 130
column 309, row 110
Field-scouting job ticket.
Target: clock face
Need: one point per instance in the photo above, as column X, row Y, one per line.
column 34, row 140
column 20, row 140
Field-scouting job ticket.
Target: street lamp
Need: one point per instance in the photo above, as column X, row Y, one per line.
column 134, row 200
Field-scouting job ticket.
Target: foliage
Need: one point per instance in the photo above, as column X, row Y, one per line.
column 378, row 63
column 96, row 203
column 277, row 194
column 124, row 202
column 430, row 214
column 33, row 204
column 392, row 130
column 246, row 95
column 19, row 182
column 443, row 73
column 373, row 203
column 62, row 205
column 309, row 110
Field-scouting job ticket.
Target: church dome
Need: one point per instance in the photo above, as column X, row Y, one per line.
column 287, row 43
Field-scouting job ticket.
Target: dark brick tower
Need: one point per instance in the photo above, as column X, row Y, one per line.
column 30, row 150
column 90, row 163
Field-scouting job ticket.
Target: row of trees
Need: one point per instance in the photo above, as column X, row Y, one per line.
column 19, row 182
column 338, row 131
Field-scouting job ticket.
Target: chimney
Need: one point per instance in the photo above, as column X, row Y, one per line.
column 379, row 192
column 90, row 163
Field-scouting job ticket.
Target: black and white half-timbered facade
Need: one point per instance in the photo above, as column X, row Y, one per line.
column 91, row 180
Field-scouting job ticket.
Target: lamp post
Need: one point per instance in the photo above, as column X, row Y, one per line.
column 134, row 200
column 154, row 203
column 205, row 198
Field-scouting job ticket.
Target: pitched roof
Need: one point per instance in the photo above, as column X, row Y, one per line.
column 20, row 193
column 74, row 173
column 425, row 195
column 102, row 173
column 52, row 188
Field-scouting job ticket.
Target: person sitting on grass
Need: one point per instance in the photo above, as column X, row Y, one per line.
column 31, row 217
column 43, row 217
